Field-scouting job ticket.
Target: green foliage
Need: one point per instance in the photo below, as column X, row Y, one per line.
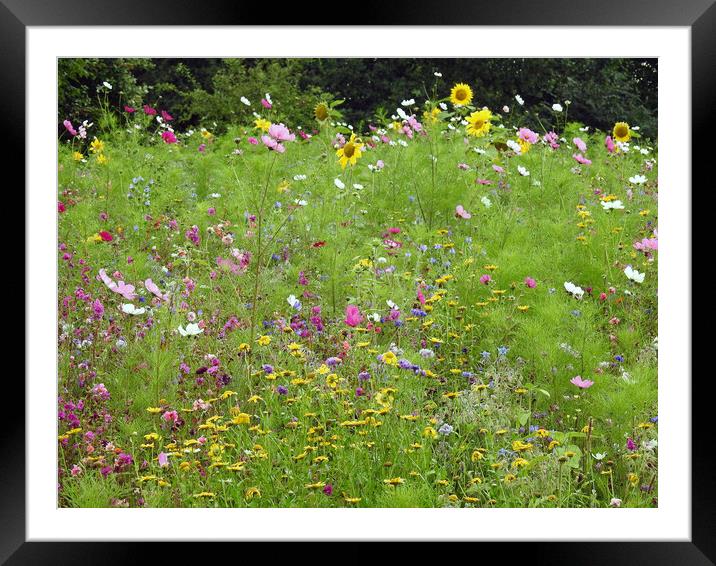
column 208, row 91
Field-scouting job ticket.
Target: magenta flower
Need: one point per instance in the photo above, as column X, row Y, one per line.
column 353, row 316
column 266, row 104
column 167, row 117
column 128, row 109
column 253, row 141
column 531, row 283
column 169, row 137
column 631, row 445
column 485, row 279
column 148, row 110
column 163, row 460
column 581, row 383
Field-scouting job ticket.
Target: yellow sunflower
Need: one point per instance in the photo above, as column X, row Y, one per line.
column 478, row 123
column 621, row 132
column 350, row 152
column 321, row 111
column 461, row 94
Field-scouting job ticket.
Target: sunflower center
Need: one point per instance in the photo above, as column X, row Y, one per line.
column 461, row 94
column 622, row 131
column 477, row 124
column 321, row 112
column 348, row 150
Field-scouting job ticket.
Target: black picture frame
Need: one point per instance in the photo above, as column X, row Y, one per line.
column 698, row 15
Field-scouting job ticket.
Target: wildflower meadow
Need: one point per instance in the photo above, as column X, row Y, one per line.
column 446, row 305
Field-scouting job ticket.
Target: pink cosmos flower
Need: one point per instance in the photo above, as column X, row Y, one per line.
column 498, row 168
column 551, row 138
column 579, row 158
column 169, row 137
column 163, row 460
column 581, row 146
column 581, row 383
column 531, row 283
column 148, row 110
column 460, row 212
column 277, row 133
column 353, row 316
column 483, row 181
column 253, row 141
column 609, row 144
column 485, row 279
column 527, row 135
column 61, row 206
column 463, row 166
column 106, row 236
column 167, row 117
column 129, row 109
column 647, row 244
column 421, row 297
column 69, row 128
column 266, row 104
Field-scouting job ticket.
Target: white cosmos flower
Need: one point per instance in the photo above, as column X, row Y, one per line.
column 357, row 186
column 107, row 85
column 409, row 102
column 557, row 107
column 613, row 205
column 519, row 100
column 633, row 274
column 268, row 98
column 486, row 201
column 637, row 179
column 215, row 195
column 443, row 106
column 403, row 143
column 572, row 289
column 338, row 183
column 129, row 308
column 300, row 202
column 402, row 113
column 245, row 101
column 514, row 146
column 523, row 171
column 299, row 177
column 375, row 317
column 437, row 74
column 192, row 329
column 479, row 150
column 391, row 304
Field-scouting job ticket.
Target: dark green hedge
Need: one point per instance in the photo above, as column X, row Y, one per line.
column 207, row 91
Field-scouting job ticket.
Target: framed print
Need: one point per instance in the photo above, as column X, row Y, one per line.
column 396, row 280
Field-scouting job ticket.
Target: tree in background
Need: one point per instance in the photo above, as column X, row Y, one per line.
column 209, row 91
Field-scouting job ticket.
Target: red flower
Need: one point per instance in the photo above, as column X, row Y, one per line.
column 106, row 236
column 318, row 244
column 60, row 206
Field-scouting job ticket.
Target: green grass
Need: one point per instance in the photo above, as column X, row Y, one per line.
column 297, row 442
